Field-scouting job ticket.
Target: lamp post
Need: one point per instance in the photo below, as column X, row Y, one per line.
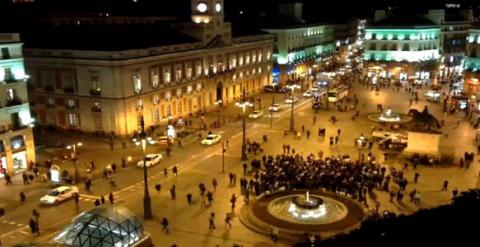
column 292, row 98
column 244, row 104
column 142, row 141
column 74, row 158
column 218, row 103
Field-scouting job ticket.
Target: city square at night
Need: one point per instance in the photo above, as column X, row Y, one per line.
column 239, row 123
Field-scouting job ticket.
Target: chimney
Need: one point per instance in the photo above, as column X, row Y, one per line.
column 292, row 10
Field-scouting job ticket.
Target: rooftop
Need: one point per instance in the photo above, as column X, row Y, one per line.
column 104, row 37
column 401, row 20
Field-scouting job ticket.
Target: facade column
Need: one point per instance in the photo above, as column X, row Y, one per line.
column 8, row 155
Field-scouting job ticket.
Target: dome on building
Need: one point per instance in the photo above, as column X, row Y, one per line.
column 103, row 226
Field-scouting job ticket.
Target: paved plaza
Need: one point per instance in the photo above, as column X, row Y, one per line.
column 197, row 163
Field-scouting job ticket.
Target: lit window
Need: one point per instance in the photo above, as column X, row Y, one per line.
column 233, row 62
column 70, row 103
column 254, row 58
column 178, row 74
column 188, row 72
column 247, row 59
column 51, row 101
column 240, row 60
column 198, row 70
column 137, row 83
column 199, row 86
column 167, row 76
column 72, row 119
column 10, row 94
column 95, row 81
column 155, row 79
column 260, row 57
column 139, row 103
column 155, row 99
column 168, row 95
column 189, row 89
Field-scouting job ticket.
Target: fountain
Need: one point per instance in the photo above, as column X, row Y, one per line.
column 389, row 116
column 300, row 211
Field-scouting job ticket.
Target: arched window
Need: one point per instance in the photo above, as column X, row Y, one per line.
column 406, row 47
column 384, row 47
column 373, row 46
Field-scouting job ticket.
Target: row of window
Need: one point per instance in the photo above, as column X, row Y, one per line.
column 404, row 47
column 400, row 36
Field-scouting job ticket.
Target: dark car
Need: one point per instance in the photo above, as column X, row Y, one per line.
column 390, row 144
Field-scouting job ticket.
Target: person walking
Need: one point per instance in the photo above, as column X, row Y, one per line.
column 33, row 226
column 244, row 168
column 110, row 198
column 228, row 220
column 209, row 198
column 165, row 172
column 175, row 170
column 158, row 187
column 173, row 193
column 215, row 184
column 189, row 198
column 233, row 200
column 97, row 203
column 415, row 177
column 455, row 193
column 445, row 185
column 211, row 221
column 102, row 199
column 23, row 198
column 165, row 225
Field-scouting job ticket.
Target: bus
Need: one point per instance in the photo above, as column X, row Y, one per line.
column 338, row 93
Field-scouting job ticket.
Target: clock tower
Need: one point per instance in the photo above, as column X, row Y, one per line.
column 208, row 23
column 206, row 11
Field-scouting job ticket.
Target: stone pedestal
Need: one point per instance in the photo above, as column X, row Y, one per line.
column 423, row 142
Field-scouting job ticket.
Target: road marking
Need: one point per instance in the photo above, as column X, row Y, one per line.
column 89, row 196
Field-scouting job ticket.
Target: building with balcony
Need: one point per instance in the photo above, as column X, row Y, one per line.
column 16, row 139
column 454, row 24
column 395, row 44
column 300, row 47
column 106, row 83
column 472, row 63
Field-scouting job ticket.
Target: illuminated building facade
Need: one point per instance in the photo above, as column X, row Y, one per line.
column 396, row 43
column 161, row 72
column 472, row 62
column 300, row 49
column 17, row 148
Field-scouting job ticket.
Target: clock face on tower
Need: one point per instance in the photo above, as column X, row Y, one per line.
column 202, row 7
column 218, row 7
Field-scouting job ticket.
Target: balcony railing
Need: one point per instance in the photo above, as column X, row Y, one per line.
column 49, row 88
column 14, row 102
column 68, row 90
column 95, row 92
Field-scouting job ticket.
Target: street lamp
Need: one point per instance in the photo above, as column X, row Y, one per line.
column 244, row 104
column 142, row 141
column 74, row 158
column 218, row 103
column 292, row 99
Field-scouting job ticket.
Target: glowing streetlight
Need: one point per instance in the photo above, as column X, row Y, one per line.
column 244, row 104
column 292, row 87
column 74, row 158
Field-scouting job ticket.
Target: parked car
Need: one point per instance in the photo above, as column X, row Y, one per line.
column 274, row 89
column 150, row 160
column 211, row 139
column 392, row 144
column 275, row 108
column 255, row 114
column 59, row 194
column 290, row 100
column 307, row 94
column 382, row 134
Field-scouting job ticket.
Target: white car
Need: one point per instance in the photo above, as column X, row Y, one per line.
column 290, row 100
column 275, row 108
column 59, row 194
column 150, row 160
column 307, row 94
column 211, row 139
column 255, row 114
